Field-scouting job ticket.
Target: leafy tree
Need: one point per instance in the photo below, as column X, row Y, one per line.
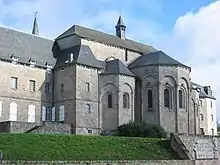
column 133, row 129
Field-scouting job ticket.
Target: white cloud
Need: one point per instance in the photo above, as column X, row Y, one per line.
column 194, row 39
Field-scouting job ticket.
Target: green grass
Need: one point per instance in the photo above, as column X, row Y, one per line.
column 75, row 147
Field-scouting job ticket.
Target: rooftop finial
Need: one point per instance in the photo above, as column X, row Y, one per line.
column 35, row 26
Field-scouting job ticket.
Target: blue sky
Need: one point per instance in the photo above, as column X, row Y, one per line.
column 187, row 30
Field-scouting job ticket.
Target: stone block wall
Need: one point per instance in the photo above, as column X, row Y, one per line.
column 198, row 147
column 48, row 127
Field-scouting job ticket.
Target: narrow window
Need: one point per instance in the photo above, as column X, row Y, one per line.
column 110, row 101
column 211, row 103
column 47, row 88
column 201, row 117
column 32, row 85
column 166, row 98
column 212, row 118
column 202, row 131
column 62, row 87
column 126, row 55
column 14, row 82
column 150, row 98
column 126, row 100
column 88, row 108
column 181, row 99
column 87, row 87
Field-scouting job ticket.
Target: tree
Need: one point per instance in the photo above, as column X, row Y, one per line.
column 133, row 129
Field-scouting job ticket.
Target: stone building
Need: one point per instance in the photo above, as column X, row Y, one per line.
column 86, row 81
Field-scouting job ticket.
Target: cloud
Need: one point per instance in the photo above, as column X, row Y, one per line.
column 194, row 38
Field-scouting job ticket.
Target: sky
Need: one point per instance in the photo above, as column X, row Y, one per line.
column 187, row 30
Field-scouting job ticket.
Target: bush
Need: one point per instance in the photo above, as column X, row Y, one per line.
column 133, row 129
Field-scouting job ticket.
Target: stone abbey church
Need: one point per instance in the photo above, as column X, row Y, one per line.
column 86, row 81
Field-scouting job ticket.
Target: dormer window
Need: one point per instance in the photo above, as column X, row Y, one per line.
column 14, row 59
column 32, row 62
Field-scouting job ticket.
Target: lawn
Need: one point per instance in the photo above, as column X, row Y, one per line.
column 75, row 147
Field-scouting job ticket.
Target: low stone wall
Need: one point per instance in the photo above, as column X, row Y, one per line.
column 47, row 127
column 199, row 147
column 122, row 162
column 54, row 128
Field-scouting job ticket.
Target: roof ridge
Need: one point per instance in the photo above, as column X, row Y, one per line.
column 20, row 31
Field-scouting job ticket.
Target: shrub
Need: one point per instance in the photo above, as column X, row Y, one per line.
column 133, row 129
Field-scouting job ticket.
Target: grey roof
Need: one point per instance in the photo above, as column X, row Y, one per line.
column 106, row 38
column 116, row 67
column 25, row 46
column 82, row 54
column 202, row 93
column 154, row 58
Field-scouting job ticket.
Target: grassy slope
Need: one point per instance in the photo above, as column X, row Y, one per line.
column 72, row 147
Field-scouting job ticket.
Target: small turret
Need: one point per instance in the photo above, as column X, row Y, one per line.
column 35, row 30
column 120, row 28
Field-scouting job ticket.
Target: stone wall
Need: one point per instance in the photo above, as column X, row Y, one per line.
column 48, row 127
column 121, row 162
column 197, row 147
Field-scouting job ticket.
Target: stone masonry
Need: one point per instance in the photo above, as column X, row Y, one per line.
column 86, row 81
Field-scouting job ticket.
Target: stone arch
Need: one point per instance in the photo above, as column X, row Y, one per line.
column 184, row 80
column 172, row 80
column 149, row 80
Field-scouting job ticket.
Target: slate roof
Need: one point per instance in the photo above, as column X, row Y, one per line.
column 155, row 58
column 92, row 34
column 116, row 67
column 25, row 46
column 202, row 93
column 82, row 54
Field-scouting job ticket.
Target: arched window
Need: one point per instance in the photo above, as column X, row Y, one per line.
column 88, row 108
column 31, row 114
column 13, row 112
column 150, row 98
column 61, row 113
column 166, row 98
column 110, row 100
column 181, row 99
column 43, row 113
column 126, row 100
